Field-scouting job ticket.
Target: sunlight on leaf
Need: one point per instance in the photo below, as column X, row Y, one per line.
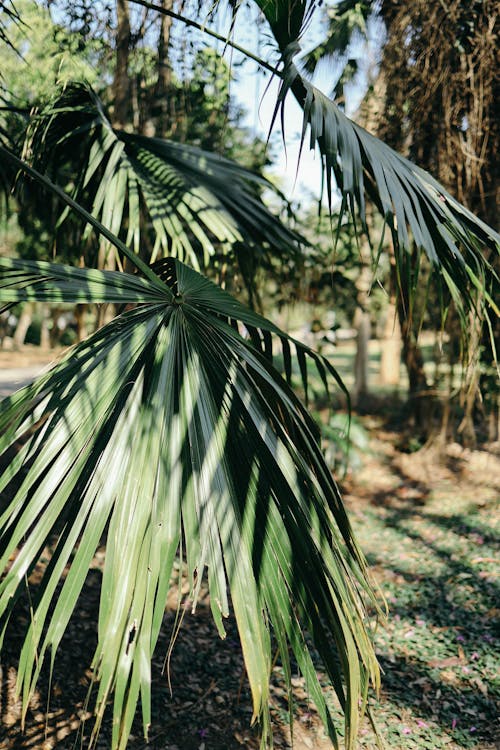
column 165, row 425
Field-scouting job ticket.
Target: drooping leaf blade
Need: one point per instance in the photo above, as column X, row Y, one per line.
column 421, row 215
column 198, row 203
column 234, row 466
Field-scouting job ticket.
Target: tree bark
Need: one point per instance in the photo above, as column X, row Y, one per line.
column 419, row 397
column 80, row 315
column 164, row 79
column 362, row 324
column 121, row 81
column 44, row 326
column 471, row 393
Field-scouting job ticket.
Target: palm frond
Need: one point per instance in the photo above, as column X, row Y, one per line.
column 10, row 126
column 347, row 22
column 11, row 16
column 421, row 215
column 42, row 181
column 25, row 281
column 196, row 202
column 168, row 424
column 28, row 280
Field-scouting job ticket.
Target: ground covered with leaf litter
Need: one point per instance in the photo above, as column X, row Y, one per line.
column 430, row 530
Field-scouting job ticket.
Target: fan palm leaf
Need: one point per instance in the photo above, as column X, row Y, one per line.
column 421, row 215
column 195, row 202
column 169, row 426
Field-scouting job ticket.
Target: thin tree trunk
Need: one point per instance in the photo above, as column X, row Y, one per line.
column 390, row 358
column 419, row 397
column 488, row 381
column 106, row 261
column 471, row 393
column 121, row 81
column 54, row 330
column 44, row 327
column 362, row 324
column 3, row 328
column 494, row 421
column 23, row 324
column 164, row 79
column 81, row 328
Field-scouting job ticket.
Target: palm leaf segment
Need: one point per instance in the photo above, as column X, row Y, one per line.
column 166, row 431
column 197, row 203
column 11, row 16
column 419, row 212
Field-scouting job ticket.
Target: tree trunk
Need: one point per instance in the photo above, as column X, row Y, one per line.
column 44, row 327
column 107, row 260
column 121, row 81
column 390, row 358
column 23, row 324
column 470, row 392
column 488, row 380
column 419, row 397
column 164, row 79
column 81, row 328
column 362, row 324
column 494, row 421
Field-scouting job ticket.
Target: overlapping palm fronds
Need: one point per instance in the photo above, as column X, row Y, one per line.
column 196, row 203
column 168, row 425
column 169, row 430
column 420, row 214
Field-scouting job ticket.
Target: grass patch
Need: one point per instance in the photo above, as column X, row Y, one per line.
column 433, row 547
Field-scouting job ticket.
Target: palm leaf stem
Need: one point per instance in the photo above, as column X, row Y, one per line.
column 210, row 32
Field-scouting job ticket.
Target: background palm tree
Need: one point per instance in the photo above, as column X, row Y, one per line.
column 169, row 431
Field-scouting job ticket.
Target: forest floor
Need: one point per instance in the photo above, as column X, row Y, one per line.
column 430, row 528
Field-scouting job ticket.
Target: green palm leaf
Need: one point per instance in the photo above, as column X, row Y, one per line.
column 421, row 215
column 196, row 202
column 165, row 425
column 28, row 280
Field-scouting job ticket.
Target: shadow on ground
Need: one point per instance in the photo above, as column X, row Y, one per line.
column 430, row 531
column 200, row 694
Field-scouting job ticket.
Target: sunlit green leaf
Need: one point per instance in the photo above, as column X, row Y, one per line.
column 167, row 423
column 198, row 203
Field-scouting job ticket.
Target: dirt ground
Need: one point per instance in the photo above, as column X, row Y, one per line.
column 28, row 356
column 200, row 695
